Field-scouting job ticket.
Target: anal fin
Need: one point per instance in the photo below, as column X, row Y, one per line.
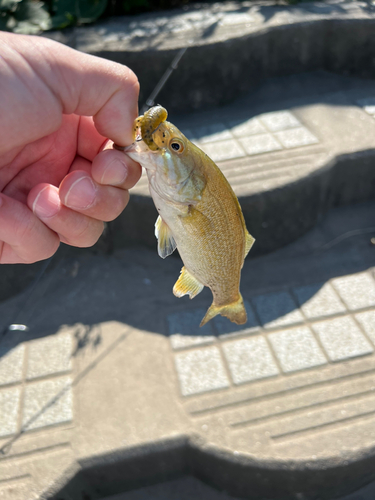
column 166, row 242
column 249, row 242
column 187, row 285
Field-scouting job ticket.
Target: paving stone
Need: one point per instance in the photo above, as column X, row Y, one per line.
column 48, row 403
column 356, row 290
column 367, row 321
column 368, row 104
column 9, row 404
column 247, row 127
column 296, row 349
column 277, row 309
column 262, row 143
column 342, row 339
column 279, row 120
column 52, row 354
column 227, row 329
column 211, row 133
column 11, row 363
column 185, row 332
column 318, row 300
column 296, row 137
column 225, row 150
column 250, row 359
column 200, row 371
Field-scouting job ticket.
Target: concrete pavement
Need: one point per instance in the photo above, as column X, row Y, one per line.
column 115, row 386
column 291, row 150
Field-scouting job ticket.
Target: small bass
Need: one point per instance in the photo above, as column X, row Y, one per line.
column 199, row 214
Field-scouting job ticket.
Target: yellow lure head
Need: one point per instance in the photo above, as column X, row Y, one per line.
column 149, row 122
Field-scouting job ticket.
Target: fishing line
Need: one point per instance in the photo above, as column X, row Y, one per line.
column 344, row 236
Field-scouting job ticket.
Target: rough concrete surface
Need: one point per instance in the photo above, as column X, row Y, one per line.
column 115, row 387
column 291, row 151
column 241, row 42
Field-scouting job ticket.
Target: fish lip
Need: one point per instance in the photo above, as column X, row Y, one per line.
column 139, row 147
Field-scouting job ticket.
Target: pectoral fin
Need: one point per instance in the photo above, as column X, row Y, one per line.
column 249, row 242
column 187, row 285
column 166, row 242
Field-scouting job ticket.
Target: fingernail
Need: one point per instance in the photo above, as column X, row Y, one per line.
column 81, row 194
column 115, row 173
column 47, row 203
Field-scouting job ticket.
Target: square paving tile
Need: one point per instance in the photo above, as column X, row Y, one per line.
column 221, row 151
column 279, row 120
column 11, row 363
column 297, row 349
column 247, row 127
column 356, row 290
column 228, row 329
column 296, row 137
column 367, row 321
column 342, row 339
column 184, row 330
column 48, row 403
column 9, row 404
column 200, row 370
column 211, row 133
column 368, row 104
column 250, row 359
column 318, row 300
column 52, row 354
column 277, row 309
column 262, row 143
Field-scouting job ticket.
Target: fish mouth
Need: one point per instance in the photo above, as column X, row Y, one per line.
column 141, row 153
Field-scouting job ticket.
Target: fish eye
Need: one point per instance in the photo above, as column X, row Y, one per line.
column 177, row 145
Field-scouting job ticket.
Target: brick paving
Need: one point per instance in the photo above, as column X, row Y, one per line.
column 311, row 325
column 113, row 361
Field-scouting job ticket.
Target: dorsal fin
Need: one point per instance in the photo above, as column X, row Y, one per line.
column 166, row 242
column 249, row 242
column 187, row 285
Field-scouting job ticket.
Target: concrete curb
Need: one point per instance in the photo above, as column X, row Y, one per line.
column 233, row 46
column 135, row 393
column 239, row 475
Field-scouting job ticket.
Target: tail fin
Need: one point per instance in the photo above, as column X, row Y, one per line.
column 235, row 311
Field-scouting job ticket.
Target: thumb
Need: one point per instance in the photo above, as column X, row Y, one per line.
column 41, row 79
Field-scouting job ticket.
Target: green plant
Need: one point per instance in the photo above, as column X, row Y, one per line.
column 33, row 16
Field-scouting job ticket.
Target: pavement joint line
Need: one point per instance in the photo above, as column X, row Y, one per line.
column 15, row 478
column 277, row 393
column 321, row 427
column 45, row 449
column 300, row 409
column 34, row 384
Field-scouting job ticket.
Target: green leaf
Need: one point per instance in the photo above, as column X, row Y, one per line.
column 4, row 19
column 62, row 21
column 90, row 10
column 32, row 18
column 9, row 5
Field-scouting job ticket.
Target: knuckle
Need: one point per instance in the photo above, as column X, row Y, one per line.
column 84, row 233
column 117, row 205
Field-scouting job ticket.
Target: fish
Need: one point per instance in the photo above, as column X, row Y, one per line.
column 199, row 214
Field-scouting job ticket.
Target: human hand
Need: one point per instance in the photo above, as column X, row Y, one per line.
column 59, row 179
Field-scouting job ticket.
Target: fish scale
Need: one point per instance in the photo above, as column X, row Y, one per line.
column 198, row 213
